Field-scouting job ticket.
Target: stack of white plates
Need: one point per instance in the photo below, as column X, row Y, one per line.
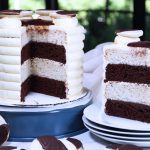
column 115, row 129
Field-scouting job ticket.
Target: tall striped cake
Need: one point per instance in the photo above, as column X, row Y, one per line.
column 127, row 77
column 42, row 55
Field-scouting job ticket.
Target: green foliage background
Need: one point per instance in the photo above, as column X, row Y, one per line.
column 100, row 25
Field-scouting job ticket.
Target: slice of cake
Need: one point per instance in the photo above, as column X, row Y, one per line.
column 39, row 55
column 127, row 77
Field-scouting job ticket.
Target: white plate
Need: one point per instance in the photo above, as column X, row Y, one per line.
column 112, row 130
column 41, row 100
column 97, row 115
column 123, row 137
column 119, row 141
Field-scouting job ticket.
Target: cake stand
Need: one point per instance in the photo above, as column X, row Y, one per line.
column 31, row 121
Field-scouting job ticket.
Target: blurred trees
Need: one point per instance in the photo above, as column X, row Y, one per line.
column 101, row 18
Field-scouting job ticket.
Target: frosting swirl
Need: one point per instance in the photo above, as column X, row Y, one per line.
column 126, row 37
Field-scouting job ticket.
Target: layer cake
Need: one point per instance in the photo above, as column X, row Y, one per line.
column 127, row 77
column 42, row 55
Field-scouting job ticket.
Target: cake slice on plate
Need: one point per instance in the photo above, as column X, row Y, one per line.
column 127, row 77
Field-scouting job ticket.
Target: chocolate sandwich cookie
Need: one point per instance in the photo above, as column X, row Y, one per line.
column 4, row 131
column 52, row 143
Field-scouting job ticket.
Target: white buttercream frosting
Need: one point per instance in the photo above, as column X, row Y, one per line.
column 10, row 23
column 125, row 40
column 129, row 92
column 126, row 37
column 8, row 94
column 131, row 33
column 40, row 67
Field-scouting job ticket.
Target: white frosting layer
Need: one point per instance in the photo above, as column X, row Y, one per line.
column 69, row 30
column 14, row 69
column 125, row 40
column 49, row 69
column 10, row 77
column 12, row 86
column 10, row 23
column 131, row 33
column 10, row 33
column 8, row 94
column 10, row 42
column 13, row 60
column 25, row 70
column 118, row 54
column 10, row 51
column 58, row 35
column 129, row 92
column 11, row 73
column 126, row 37
column 74, row 62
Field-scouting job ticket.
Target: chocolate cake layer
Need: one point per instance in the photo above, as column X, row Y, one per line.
column 127, row 73
column 48, row 86
column 37, row 22
column 43, row 50
column 129, row 110
column 25, row 88
column 26, row 53
column 49, row 51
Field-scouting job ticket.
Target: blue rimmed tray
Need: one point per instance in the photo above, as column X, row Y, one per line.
column 25, row 124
